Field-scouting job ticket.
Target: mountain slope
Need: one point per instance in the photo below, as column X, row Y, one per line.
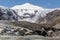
column 51, row 19
column 7, row 14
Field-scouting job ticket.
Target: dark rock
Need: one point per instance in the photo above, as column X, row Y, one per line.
column 7, row 14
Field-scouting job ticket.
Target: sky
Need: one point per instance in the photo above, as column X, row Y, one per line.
column 42, row 3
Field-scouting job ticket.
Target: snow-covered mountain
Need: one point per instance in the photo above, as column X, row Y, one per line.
column 30, row 12
column 25, row 12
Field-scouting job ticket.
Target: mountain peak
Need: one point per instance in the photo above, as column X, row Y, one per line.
column 27, row 6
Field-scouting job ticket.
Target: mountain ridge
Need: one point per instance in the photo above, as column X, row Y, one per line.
column 29, row 9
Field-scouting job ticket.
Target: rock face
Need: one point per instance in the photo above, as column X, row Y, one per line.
column 18, row 31
column 53, row 16
column 7, row 14
column 51, row 19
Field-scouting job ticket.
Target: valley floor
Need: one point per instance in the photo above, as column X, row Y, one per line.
column 31, row 37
